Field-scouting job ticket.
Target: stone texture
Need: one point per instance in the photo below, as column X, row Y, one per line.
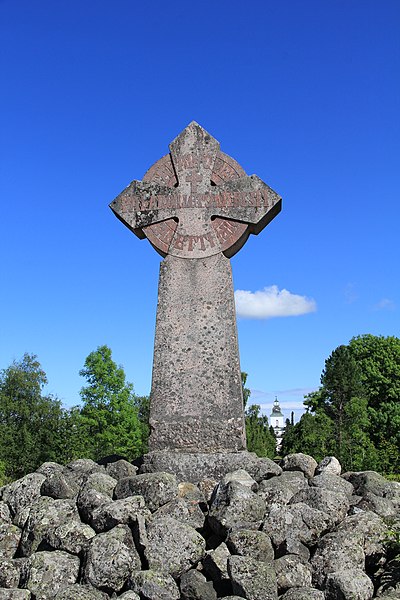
column 252, row 579
column 256, row 544
column 333, row 483
column 10, row 536
column 292, row 572
column 329, row 466
column 300, row 462
column 335, row 552
column 10, row 572
column 20, row 494
column 81, row 592
column 173, row 547
column 111, row 557
column 156, row 488
column 125, row 511
column 280, row 490
column 233, row 507
column 194, row 586
column 216, row 563
column 197, row 207
column 121, row 468
column 49, row 572
column 154, row 585
column 185, row 511
column 333, row 504
column 15, row 594
column 349, row 584
column 305, row 593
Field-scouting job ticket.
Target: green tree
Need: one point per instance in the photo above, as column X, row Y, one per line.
column 30, row 422
column 259, row 436
column 109, row 415
column 312, row 435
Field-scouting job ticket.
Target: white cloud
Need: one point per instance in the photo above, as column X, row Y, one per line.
column 385, row 304
column 270, row 302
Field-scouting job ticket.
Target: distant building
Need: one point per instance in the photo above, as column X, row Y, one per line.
column 276, row 420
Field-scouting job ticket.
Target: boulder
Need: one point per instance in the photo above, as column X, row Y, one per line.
column 333, row 504
column 77, row 591
column 247, row 542
column 279, row 490
column 61, row 484
column 252, row 579
column 365, row 482
column 20, row 494
column 10, row 572
column 14, row 594
column 292, row 572
column 125, row 511
column 47, row 468
column 5, row 515
column 173, row 547
column 215, row 563
column 121, row 469
column 335, row 552
column 242, row 477
column 384, row 507
column 305, row 593
column 185, row 511
column 300, row 462
column 50, row 572
column 374, row 532
column 156, row 488
column 72, row 536
column 129, row 595
column 332, row 483
column 235, row 506
column 111, row 556
column 10, row 536
column 88, row 501
column 154, row 585
column 85, row 466
column 329, row 466
column 349, row 584
column 194, row 586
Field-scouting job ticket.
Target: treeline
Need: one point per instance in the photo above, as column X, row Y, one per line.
column 355, row 414
column 34, row 427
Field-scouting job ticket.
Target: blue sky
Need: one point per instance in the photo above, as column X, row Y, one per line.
column 303, row 93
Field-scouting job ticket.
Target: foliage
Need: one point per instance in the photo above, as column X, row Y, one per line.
column 259, row 436
column 109, row 416
column 359, row 404
column 30, row 422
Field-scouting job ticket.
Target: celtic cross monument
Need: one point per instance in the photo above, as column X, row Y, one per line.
column 197, row 207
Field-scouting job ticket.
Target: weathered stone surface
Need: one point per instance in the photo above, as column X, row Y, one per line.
column 384, row 507
column 10, row 572
column 71, row 536
column 88, row 501
column 101, row 482
column 61, row 484
column 333, row 483
column 49, row 572
column 194, row 586
column 124, row 511
column 121, row 468
column 291, row 527
column 85, row 466
column 196, row 204
column 349, row 584
column 240, row 476
column 173, row 547
column 156, row 488
column 329, row 466
column 111, row 557
column 373, row 530
column 197, row 467
column 370, row 482
column 5, row 515
column 292, row 572
column 300, row 462
column 305, row 593
column 81, row 592
column 48, row 468
column 388, row 583
column 192, row 493
column 129, row 595
column 20, row 494
column 333, row 504
column 279, row 490
column 154, row 585
column 45, row 516
column 14, row 594
column 252, row 579
column 233, row 507
column 185, row 511
column 256, row 544
column 216, row 563
column 335, row 552
column 10, row 536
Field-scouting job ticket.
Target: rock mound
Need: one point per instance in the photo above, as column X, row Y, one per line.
column 300, row 531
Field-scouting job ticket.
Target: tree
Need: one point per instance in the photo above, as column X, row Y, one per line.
column 109, row 415
column 312, row 435
column 259, row 437
column 30, row 422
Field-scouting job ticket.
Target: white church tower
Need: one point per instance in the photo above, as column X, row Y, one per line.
column 276, row 420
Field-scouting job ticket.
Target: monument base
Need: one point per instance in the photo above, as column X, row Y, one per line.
column 198, row 466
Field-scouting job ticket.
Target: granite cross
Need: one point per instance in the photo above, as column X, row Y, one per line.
column 197, row 207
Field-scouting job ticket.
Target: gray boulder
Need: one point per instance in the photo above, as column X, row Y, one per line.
column 349, row 584
column 20, row 494
column 191, row 492
column 373, row 530
column 5, row 515
column 389, row 580
column 101, row 482
column 332, row 483
column 111, row 556
column 154, row 585
column 384, row 507
column 156, row 488
column 306, row 593
column 329, row 466
column 279, row 490
column 14, row 594
column 48, row 468
column 292, row 572
column 252, row 579
column 365, row 482
column 256, row 544
column 125, row 511
column 185, row 511
column 50, row 572
column 300, row 462
column 77, row 591
column 85, row 466
column 335, row 552
column 61, row 484
column 242, row 477
column 10, row 536
column 120, row 469
column 333, row 504
column 173, row 547
column 215, row 563
column 194, row 586
column 235, row 506
column 10, row 572
column 72, row 536
column 129, row 595
column 88, row 501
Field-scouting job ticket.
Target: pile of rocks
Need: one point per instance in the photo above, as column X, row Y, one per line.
column 299, row 531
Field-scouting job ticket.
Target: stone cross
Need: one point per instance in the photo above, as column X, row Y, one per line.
column 197, row 207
